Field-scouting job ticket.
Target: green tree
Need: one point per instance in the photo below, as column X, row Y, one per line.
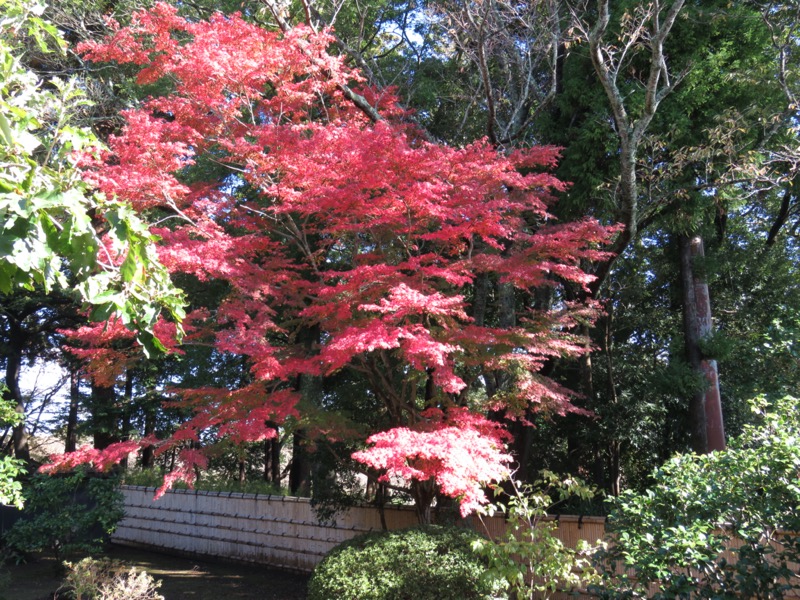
column 745, row 498
column 56, row 233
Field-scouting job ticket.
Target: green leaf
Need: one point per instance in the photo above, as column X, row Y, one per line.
column 151, row 345
column 129, row 267
column 5, row 128
column 5, row 279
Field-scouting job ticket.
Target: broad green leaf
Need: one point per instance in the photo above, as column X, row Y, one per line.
column 5, row 128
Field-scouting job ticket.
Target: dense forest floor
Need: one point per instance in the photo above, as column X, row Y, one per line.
column 182, row 578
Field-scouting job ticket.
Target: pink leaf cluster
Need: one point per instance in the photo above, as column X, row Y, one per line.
column 461, row 451
column 101, row 460
column 189, row 459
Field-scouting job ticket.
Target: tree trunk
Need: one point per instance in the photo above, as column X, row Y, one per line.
column 614, row 450
column 242, row 471
column 705, row 407
column 126, row 424
column 423, row 493
column 272, row 458
column 480, row 298
column 105, row 417
column 310, row 389
column 783, row 215
column 148, row 452
column 71, row 443
column 12, row 394
column 300, row 470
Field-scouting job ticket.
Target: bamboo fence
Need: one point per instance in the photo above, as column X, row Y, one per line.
column 280, row 531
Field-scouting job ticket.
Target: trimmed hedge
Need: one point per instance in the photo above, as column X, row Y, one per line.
column 430, row 563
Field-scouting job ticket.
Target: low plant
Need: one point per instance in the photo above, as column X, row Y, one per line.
column 424, row 563
column 67, row 513
column 529, row 560
column 745, row 500
column 104, row 579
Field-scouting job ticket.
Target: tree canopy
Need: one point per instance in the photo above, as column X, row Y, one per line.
column 445, row 239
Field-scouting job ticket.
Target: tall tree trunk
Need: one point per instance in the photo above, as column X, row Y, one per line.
column 423, row 493
column 614, row 450
column 300, row 469
column 705, row 407
column 787, row 201
column 71, row 442
column 148, row 452
column 480, row 298
column 272, row 459
column 242, row 471
column 105, row 416
column 126, row 424
column 310, row 389
column 12, row 394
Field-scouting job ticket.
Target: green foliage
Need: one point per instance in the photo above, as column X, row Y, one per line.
column 759, row 299
column 104, row 579
column 746, row 497
column 51, row 222
column 10, row 468
column 529, row 561
column 431, row 563
column 10, row 486
column 208, row 482
column 65, row 514
column 334, row 492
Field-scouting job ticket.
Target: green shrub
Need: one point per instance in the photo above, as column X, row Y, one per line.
column 10, row 468
column 67, row 513
column 528, row 560
column 430, row 563
column 672, row 535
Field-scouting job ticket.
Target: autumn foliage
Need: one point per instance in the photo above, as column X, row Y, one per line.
column 345, row 243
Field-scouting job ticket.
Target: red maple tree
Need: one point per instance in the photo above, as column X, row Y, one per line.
column 347, row 242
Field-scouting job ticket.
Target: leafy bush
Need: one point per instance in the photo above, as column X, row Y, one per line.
column 430, row 563
column 104, row 579
column 529, row 560
column 10, row 468
column 745, row 498
column 67, row 513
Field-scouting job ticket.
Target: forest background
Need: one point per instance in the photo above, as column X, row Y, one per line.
column 676, row 123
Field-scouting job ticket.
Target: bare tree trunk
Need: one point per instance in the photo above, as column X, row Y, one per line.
column 480, row 298
column 12, row 393
column 71, row 443
column 787, row 201
column 272, row 458
column 705, row 407
column 148, row 452
column 651, row 33
column 615, row 445
column 105, row 417
column 126, row 421
column 242, row 471
column 310, row 388
column 300, row 470
column 423, row 493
